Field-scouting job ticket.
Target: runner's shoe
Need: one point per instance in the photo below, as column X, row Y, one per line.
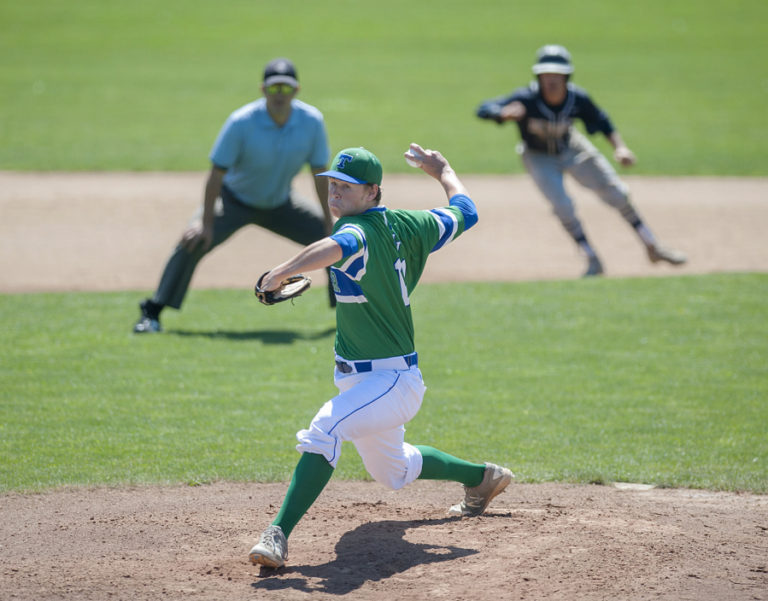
column 658, row 253
column 594, row 267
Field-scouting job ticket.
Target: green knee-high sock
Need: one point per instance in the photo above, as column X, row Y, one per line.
column 309, row 478
column 438, row 465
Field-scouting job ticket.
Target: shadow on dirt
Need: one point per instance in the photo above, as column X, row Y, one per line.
column 369, row 553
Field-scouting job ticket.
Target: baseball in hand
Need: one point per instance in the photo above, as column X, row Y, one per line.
column 416, row 160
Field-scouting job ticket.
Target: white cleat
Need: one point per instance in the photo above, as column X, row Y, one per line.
column 271, row 550
column 477, row 498
column 673, row 257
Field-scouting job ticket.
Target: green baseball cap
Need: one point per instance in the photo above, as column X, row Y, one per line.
column 356, row 166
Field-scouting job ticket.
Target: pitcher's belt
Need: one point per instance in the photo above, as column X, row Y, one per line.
column 359, row 367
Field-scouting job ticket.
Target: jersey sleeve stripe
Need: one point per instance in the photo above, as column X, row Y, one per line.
column 354, row 264
column 448, row 225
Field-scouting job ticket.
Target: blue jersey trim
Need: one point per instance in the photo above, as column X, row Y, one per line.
column 448, row 224
column 347, row 242
column 467, row 207
column 347, row 290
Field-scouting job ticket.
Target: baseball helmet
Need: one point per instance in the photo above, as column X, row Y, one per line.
column 553, row 58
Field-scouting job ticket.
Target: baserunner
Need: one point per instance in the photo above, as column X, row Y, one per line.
column 545, row 111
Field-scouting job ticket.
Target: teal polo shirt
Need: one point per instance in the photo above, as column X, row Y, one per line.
column 261, row 158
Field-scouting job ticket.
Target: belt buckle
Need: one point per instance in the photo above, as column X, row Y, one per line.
column 344, row 367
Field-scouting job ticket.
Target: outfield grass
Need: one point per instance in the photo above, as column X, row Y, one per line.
column 107, row 85
column 648, row 380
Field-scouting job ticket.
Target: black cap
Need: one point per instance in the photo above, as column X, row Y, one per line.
column 281, row 70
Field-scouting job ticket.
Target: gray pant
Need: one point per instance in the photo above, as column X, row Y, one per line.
column 588, row 167
column 297, row 219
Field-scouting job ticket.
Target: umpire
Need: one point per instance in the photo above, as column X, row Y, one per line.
column 258, row 152
column 544, row 112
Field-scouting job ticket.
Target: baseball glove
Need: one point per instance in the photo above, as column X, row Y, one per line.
column 289, row 288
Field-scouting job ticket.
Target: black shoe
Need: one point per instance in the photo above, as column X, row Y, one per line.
column 149, row 322
column 594, row 267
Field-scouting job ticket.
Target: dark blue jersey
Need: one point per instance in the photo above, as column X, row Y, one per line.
column 548, row 128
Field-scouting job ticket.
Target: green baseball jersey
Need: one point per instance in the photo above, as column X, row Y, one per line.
column 385, row 252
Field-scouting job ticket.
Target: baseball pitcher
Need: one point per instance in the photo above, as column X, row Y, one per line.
column 377, row 256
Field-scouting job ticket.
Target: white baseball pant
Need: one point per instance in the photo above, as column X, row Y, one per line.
column 370, row 411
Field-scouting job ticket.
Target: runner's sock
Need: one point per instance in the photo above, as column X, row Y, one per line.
column 645, row 234
column 587, row 249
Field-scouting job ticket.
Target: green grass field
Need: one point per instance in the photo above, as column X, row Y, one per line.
column 105, row 85
column 651, row 380
column 658, row 380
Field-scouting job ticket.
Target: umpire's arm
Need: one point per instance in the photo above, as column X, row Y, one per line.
column 321, row 186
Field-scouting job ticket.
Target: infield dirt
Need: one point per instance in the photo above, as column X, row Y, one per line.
column 114, row 231
column 360, row 541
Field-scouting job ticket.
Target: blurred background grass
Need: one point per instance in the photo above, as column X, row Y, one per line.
column 109, row 85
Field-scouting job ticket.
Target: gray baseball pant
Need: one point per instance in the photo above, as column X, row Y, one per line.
column 298, row 219
column 588, row 167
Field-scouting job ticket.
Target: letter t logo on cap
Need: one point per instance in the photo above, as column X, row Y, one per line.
column 343, row 160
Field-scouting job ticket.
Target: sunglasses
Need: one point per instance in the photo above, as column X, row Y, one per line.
column 280, row 88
